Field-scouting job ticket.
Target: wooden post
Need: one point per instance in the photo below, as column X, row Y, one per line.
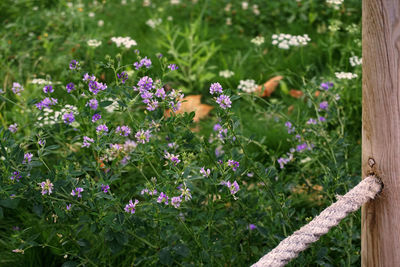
column 380, row 239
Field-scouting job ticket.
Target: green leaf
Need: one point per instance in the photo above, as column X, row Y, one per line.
column 165, row 257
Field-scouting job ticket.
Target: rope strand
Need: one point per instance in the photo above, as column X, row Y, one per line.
column 290, row 247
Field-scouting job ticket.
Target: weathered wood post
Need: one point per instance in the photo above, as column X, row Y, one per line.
column 381, row 131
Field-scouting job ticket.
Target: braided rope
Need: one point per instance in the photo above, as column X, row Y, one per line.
column 290, row 247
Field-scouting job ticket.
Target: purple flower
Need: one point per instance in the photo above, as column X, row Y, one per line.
column 48, row 89
column 290, row 127
column 233, row 164
column 176, row 202
column 15, row 176
column 252, row 226
column 224, row 101
column 96, row 87
column 311, row 121
column 172, row 67
column 96, row 117
column 73, row 64
column 233, row 187
column 145, row 83
column 123, row 130
column 217, row 127
column 298, row 137
column 68, row 207
column 27, row 158
column 77, row 192
column 130, row 207
column 105, row 188
column 326, row 86
column 160, row 93
column 69, row 118
column 204, row 172
column 70, row 87
column 302, row 147
column 323, row 105
column 47, row 102
column 174, row 158
column 93, row 104
column 215, row 88
column 13, row 128
column 143, row 136
column 163, row 198
column 47, row 187
column 102, row 129
column 87, row 77
column 185, row 192
column 123, row 76
column 17, row 88
column 87, row 141
column 219, row 151
column 145, row 61
column 322, row 119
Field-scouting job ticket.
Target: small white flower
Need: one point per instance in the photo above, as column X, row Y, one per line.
column 355, row 61
column 127, row 42
column 91, row 14
column 259, row 40
column 153, row 22
column 248, row 86
column 226, row 73
column 335, row 3
column 94, row 43
column 245, row 5
column 345, row 75
column 285, row 41
column 100, row 23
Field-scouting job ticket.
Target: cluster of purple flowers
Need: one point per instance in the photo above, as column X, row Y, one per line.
column 123, row 130
column 13, row 128
column 173, row 158
column 283, row 161
column 176, row 201
column 105, row 188
column 27, row 158
column 70, row 87
column 205, row 172
column 326, row 85
column 222, row 133
column 144, row 62
column 96, row 117
column 233, row 164
column 47, row 102
column 143, row 136
column 149, row 192
column 77, row 192
column 172, row 67
column 233, row 187
column 69, row 118
column 17, row 88
column 323, row 105
column 130, row 207
column 73, row 65
column 87, row 141
column 48, row 89
column 47, row 187
column 96, row 87
column 15, row 176
column 102, row 129
column 93, row 103
column 302, row 147
column 222, row 100
column 290, row 127
column 163, row 198
column 123, row 76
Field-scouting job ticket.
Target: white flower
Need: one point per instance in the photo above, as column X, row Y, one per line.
column 345, row 75
column 94, row 43
column 355, row 61
column 39, row 81
column 146, row 3
column 125, row 41
column 153, row 22
column 256, row 11
column 91, row 14
column 248, row 86
column 259, row 40
column 228, row 21
column 335, row 3
column 100, row 23
column 123, row 2
column 245, row 5
column 285, row 41
column 175, row 2
column 226, row 73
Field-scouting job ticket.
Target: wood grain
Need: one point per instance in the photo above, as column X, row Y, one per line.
column 380, row 240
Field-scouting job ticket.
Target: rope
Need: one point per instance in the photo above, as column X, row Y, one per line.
column 290, row 247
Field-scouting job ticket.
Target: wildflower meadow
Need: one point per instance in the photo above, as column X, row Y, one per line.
column 176, row 132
